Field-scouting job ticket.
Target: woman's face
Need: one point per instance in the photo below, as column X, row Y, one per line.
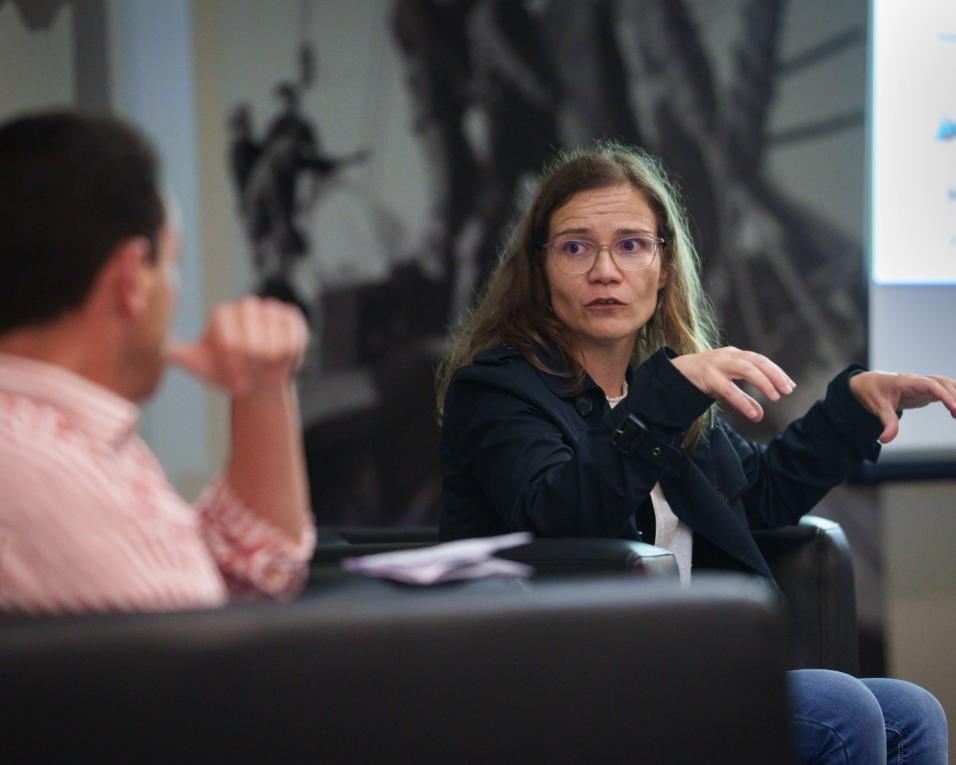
column 605, row 307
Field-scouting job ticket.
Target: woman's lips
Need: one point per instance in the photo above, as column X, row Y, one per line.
column 604, row 303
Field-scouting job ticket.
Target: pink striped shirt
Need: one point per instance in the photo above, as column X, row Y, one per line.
column 88, row 520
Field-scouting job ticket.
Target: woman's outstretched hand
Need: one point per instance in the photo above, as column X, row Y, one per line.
column 715, row 373
column 885, row 394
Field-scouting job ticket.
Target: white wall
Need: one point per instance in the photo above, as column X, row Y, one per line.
column 152, row 85
column 918, row 536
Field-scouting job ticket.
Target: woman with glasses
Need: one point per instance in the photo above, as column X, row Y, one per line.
column 579, row 398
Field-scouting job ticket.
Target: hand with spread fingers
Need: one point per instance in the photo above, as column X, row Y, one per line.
column 716, row 372
column 246, row 345
column 885, row 394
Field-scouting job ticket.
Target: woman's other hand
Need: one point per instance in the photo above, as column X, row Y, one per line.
column 884, row 394
column 716, row 372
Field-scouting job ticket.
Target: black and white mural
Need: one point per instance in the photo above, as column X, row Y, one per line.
column 378, row 151
column 447, row 110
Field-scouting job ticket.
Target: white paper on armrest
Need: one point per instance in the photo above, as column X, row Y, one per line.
column 463, row 559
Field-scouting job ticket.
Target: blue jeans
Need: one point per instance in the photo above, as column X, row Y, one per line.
column 839, row 720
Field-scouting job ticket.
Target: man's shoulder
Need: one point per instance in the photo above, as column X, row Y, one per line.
column 25, row 421
column 39, row 446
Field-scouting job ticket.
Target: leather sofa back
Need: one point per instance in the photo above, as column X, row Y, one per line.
column 591, row 671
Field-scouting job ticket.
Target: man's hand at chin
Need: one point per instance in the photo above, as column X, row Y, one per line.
column 248, row 347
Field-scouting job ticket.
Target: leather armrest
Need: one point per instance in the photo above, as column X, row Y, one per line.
column 580, row 556
column 571, row 556
column 812, row 564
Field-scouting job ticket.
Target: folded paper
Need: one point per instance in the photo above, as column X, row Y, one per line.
column 462, row 559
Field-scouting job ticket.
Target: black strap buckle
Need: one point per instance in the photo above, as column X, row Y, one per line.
column 629, row 435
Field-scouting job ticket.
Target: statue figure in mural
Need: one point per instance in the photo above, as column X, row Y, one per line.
column 269, row 176
column 244, row 149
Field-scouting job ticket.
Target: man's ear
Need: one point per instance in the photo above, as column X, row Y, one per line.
column 132, row 275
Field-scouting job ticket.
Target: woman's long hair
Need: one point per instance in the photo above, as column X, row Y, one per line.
column 515, row 307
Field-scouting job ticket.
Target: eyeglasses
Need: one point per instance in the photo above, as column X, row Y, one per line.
column 578, row 256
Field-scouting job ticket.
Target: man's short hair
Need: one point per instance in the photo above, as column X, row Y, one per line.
column 72, row 186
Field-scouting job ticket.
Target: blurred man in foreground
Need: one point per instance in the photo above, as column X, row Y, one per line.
column 89, row 256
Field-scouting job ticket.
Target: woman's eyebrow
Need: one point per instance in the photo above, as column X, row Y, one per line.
column 563, row 231
column 617, row 232
column 629, row 230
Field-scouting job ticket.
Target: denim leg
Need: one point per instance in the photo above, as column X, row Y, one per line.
column 835, row 720
column 916, row 730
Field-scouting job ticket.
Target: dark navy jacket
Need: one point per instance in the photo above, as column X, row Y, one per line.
column 520, row 450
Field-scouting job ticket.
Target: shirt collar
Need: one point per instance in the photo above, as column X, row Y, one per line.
column 100, row 413
column 613, row 401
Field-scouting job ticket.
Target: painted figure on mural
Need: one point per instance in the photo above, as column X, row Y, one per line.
column 278, row 178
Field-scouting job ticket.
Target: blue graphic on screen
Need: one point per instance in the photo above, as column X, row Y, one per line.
column 947, row 130
column 913, row 143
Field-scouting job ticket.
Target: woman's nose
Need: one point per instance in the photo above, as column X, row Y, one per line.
column 604, row 268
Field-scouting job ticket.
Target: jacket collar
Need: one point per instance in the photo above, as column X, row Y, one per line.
column 563, row 386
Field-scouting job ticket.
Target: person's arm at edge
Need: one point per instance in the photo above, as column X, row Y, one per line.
column 266, row 467
column 252, row 348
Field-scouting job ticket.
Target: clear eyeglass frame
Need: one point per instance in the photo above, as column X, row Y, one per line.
column 586, row 264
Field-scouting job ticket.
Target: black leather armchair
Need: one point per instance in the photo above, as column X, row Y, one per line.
column 814, row 569
column 810, row 561
column 367, row 671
